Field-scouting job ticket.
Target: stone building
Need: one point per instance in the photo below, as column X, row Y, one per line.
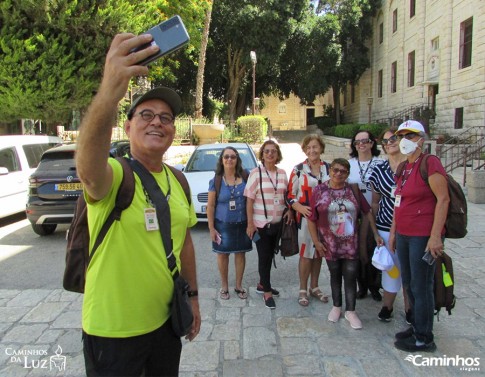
column 427, row 63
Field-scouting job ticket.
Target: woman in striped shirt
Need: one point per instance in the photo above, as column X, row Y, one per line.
column 265, row 191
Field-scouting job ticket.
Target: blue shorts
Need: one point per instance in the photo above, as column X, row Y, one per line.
column 233, row 238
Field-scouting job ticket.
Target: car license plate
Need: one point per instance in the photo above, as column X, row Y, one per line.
column 203, row 209
column 69, row 187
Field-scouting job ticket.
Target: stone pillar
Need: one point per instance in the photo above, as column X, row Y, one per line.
column 475, row 184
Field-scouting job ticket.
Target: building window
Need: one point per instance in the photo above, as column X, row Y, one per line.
column 282, row 108
column 394, row 21
column 381, row 33
column 435, row 44
column 411, row 68
column 394, row 77
column 466, row 37
column 458, row 118
column 412, row 8
column 379, row 84
column 352, row 93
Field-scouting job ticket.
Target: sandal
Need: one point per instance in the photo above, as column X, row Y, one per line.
column 224, row 295
column 241, row 293
column 317, row 293
column 303, row 297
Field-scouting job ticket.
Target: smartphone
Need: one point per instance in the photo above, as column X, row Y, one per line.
column 428, row 258
column 170, row 35
column 218, row 239
column 256, row 237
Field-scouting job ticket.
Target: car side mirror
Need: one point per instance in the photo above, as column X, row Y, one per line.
column 3, row 171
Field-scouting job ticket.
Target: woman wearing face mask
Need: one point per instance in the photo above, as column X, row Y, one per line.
column 364, row 158
column 420, row 211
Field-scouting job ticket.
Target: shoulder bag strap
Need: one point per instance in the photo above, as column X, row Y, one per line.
column 163, row 212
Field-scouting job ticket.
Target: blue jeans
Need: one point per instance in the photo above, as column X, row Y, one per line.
column 418, row 280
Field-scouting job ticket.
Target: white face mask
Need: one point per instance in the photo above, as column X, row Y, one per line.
column 407, row 146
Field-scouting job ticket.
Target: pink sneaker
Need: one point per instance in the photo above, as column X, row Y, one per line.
column 354, row 320
column 334, row 314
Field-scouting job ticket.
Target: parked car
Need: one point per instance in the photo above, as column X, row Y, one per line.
column 19, row 157
column 119, row 148
column 201, row 167
column 53, row 190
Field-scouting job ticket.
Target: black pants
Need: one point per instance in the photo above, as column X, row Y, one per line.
column 346, row 269
column 153, row 354
column 369, row 277
column 265, row 247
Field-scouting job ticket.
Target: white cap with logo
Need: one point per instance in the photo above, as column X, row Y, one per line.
column 411, row 126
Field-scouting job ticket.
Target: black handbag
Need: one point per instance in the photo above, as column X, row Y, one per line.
column 181, row 308
column 287, row 243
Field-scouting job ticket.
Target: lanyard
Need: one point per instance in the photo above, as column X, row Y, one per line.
column 337, row 199
column 231, row 188
column 319, row 178
column 363, row 174
column 274, row 186
column 406, row 177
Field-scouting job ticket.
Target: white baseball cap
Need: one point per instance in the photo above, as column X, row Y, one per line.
column 410, row 125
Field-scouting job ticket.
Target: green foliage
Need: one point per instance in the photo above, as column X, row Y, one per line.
column 349, row 130
column 252, row 128
column 324, row 122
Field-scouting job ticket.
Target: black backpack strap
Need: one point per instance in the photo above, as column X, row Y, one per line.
column 182, row 180
column 356, row 191
column 124, row 197
column 423, row 167
column 163, row 212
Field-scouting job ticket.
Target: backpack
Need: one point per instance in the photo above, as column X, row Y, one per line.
column 444, row 280
column 77, row 250
column 287, row 239
column 456, row 219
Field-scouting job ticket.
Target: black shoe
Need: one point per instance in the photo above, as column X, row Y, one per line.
column 361, row 294
column 385, row 314
column 376, row 295
column 409, row 345
column 408, row 317
column 260, row 290
column 405, row 334
column 269, row 302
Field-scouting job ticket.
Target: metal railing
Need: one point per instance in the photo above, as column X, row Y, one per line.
column 466, row 149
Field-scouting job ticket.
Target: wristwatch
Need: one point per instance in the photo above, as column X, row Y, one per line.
column 192, row 293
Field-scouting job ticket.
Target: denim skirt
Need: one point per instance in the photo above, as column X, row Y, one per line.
column 233, row 238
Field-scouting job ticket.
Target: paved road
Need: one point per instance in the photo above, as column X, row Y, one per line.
column 238, row 337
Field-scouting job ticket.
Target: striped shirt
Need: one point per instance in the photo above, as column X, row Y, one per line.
column 268, row 183
column 382, row 181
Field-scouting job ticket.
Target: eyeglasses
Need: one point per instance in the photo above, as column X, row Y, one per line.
column 340, row 171
column 409, row 136
column 362, row 141
column 270, row 151
column 392, row 139
column 229, row 156
column 148, row 116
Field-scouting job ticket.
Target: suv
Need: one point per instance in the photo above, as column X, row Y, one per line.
column 53, row 190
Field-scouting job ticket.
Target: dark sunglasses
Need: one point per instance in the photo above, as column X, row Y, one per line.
column 229, row 156
column 362, row 141
column 340, row 171
column 409, row 136
column 392, row 139
column 270, row 151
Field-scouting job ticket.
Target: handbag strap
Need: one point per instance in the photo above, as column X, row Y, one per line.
column 163, row 212
column 262, row 194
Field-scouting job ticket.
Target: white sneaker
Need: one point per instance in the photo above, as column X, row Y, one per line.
column 354, row 320
column 334, row 314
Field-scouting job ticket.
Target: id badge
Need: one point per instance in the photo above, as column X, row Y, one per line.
column 232, row 205
column 393, row 191
column 340, row 217
column 151, row 221
column 276, row 201
column 397, row 202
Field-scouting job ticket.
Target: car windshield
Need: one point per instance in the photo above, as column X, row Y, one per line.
column 206, row 160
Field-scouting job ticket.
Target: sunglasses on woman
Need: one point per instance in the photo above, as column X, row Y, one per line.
column 229, row 156
column 409, row 136
column 362, row 141
column 340, row 171
column 392, row 139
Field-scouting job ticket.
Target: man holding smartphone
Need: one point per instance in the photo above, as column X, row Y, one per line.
column 126, row 309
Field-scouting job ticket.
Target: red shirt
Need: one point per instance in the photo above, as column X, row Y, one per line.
column 415, row 214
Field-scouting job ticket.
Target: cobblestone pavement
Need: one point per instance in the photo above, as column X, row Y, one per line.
column 243, row 338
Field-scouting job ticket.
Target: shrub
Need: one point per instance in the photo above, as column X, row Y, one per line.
column 376, row 128
column 324, row 122
column 252, row 128
column 346, row 130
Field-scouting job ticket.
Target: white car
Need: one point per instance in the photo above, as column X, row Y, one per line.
column 19, row 157
column 201, row 167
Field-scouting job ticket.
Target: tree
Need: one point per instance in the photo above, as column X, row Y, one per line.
column 200, row 70
column 239, row 27
column 53, row 51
